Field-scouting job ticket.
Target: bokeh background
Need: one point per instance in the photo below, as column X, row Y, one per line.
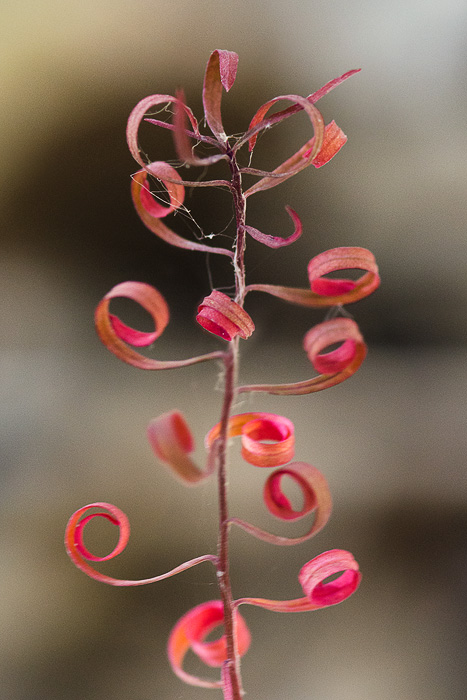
column 391, row 441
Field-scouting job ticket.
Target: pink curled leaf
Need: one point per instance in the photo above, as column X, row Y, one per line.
column 339, row 365
column 298, row 161
column 137, row 116
column 315, row 96
column 344, row 258
column 289, row 111
column 336, row 330
column 260, row 121
column 182, row 137
column 149, row 213
column 172, row 442
column 316, row 494
column 276, row 241
column 221, row 71
column 327, row 292
column 312, row 577
column 81, row 556
column 191, row 631
column 115, row 335
column 333, row 140
column 222, row 316
column 169, row 177
column 316, row 499
column 255, row 429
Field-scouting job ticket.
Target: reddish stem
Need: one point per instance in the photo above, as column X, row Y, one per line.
column 231, row 357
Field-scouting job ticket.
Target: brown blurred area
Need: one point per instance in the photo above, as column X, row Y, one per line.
column 391, row 441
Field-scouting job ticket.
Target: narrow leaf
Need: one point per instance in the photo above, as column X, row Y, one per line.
column 172, row 442
column 333, row 140
column 181, row 137
column 137, row 116
column 312, row 576
column 344, row 258
column 148, row 213
column 327, row 292
column 340, row 365
column 191, row 631
column 255, row 429
column 114, row 334
column 222, row 316
column 171, row 180
column 298, row 161
column 316, row 499
column 294, row 109
column 221, row 71
column 80, row 555
column 276, row 241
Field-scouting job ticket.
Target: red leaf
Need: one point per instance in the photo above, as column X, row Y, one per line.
column 254, row 428
column 222, row 316
column 172, row 442
column 114, row 334
column 148, row 211
column 221, row 71
column 191, row 631
column 312, row 578
column 276, row 241
column 338, row 366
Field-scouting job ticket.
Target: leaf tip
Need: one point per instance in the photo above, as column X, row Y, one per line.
column 228, row 62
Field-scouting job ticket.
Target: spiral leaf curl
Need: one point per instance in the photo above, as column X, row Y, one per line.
column 80, row 555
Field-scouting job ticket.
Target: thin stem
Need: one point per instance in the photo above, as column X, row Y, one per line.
column 231, row 358
column 240, row 240
column 223, row 567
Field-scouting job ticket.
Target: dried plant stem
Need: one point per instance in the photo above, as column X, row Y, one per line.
column 223, row 575
column 231, row 359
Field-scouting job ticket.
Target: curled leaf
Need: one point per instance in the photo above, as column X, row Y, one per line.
column 260, row 122
column 150, row 212
column 115, row 334
column 295, row 163
column 191, row 631
column 316, row 499
column 169, row 177
column 336, row 330
column 221, row 71
column 276, row 241
column 344, row 258
column 327, row 292
column 255, row 429
column 333, row 140
column 80, row 555
column 182, row 137
column 336, row 365
column 222, row 316
column 172, row 442
column 313, row 98
column 312, row 577
column 315, row 490
column 137, row 116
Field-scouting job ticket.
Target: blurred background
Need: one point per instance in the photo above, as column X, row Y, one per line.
column 391, row 441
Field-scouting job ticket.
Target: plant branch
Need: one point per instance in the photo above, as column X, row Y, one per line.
column 235, row 690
